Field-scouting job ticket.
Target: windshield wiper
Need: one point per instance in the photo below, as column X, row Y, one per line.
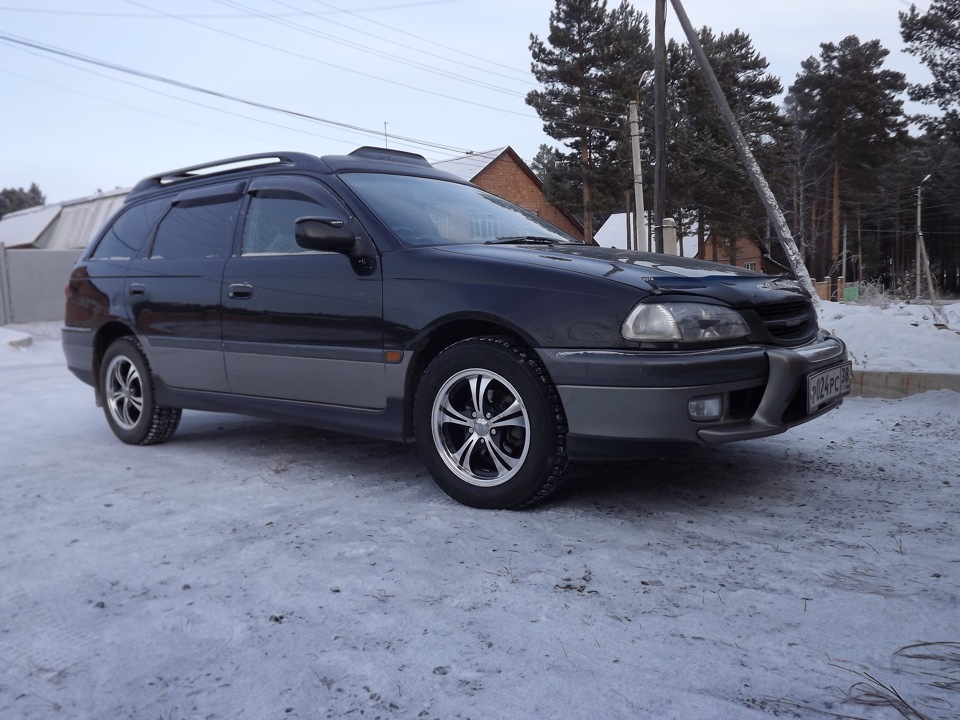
column 523, row 240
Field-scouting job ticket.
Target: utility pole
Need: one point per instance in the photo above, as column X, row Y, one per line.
column 843, row 267
column 746, row 156
column 660, row 122
column 919, row 233
column 640, row 226
column 922, row 259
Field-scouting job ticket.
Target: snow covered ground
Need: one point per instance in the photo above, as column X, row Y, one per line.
column 249, row 569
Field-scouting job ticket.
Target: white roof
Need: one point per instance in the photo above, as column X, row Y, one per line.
column 22, row 228
column 467, row 167
column 62, row 226
column 81, row 219
column 613, row 233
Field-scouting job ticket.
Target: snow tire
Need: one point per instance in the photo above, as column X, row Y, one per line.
column 489, row 424
column 129, row 397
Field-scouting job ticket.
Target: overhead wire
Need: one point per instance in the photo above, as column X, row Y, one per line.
column 153, row 111
column 94, row 13
column 213, row 93
column 458, row 51
column 382, row 38
column 611, row 103
column 459, row 78
column 370, row 51
column 312, row 59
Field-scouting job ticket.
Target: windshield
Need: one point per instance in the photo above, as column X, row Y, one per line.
column 427, row 211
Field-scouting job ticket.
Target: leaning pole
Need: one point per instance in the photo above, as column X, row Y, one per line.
column 746, row 155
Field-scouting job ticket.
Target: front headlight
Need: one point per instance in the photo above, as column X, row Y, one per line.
column 683, row 322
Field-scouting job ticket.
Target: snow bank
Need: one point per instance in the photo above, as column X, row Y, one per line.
column 901, row 337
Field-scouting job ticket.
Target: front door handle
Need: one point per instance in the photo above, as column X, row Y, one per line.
column 240, row 291
column 136, row 289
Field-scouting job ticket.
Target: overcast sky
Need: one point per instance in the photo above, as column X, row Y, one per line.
column 442, row 76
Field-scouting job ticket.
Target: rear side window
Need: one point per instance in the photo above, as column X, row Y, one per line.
column 196, row 231
column 127, row 233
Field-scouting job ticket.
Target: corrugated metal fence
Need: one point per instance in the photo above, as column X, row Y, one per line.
column 38, row 247
column 32, row 282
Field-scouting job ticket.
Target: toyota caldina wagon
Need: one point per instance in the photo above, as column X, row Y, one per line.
column 373, row 294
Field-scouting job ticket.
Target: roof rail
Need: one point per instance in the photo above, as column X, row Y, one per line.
column 217, row 167
column 388, row 155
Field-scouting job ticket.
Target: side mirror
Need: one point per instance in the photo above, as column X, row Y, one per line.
column 325, row 234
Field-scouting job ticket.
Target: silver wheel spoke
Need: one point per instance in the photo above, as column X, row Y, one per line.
column 478, row 387
column 480, row 450
column 130, row 377
column 503, row 461
column 136, row 403
column 452, row 415
column 512, row 416
column 465, row 451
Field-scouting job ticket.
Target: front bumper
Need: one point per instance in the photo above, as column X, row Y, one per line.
column 629, row 404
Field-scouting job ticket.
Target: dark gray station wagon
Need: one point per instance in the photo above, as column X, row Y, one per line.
column 373, row 294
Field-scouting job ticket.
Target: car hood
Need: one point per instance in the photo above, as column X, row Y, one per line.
column 652, row 272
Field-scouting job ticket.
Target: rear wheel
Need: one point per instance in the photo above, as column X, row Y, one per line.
column 489, row 424
column 129, row 400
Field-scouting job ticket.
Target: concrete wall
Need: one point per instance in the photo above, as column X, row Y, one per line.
column 32, row 282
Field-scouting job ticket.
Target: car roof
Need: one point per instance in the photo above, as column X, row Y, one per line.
column 364, row 159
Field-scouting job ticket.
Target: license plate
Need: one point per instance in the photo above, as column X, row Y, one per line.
column 827, row 385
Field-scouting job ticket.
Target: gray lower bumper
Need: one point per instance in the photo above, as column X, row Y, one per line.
column 763, row 391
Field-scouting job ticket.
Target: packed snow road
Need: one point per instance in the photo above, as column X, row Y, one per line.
column 249, row 569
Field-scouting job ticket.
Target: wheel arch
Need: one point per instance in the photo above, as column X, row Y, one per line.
column 441, row 336
column 106, row 335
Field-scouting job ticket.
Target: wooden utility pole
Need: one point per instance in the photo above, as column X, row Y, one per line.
column 743, row 150
column 587, row 194
column 640, row 221
column 660, row 122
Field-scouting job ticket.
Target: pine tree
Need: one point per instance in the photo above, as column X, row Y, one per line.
column 846, row 101
column 13, row 199
column 934, row 36
column 589, row 68
column 708, row 185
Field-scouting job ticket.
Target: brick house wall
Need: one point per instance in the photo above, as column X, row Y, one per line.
column 747, row 253
column 508, row 176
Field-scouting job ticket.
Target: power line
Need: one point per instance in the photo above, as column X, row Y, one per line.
column 24, row 42
column 609, row 102
column 93, row 13
column 328, row 64
column 154, row 91
column 371, row 51
column 458, row 51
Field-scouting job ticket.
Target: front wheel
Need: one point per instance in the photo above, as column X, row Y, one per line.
column 489, row 424
column 129, row 399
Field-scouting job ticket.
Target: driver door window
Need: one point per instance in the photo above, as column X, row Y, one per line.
column 270, row 224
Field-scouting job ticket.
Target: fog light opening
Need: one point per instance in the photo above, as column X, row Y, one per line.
column 706, row 408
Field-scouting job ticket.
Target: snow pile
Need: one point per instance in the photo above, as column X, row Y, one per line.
column 899, row 337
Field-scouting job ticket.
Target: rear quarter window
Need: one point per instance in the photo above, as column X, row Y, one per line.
column 128, row 231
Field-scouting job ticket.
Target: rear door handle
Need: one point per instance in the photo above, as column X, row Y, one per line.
column 137, row 289
column 240, row 291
